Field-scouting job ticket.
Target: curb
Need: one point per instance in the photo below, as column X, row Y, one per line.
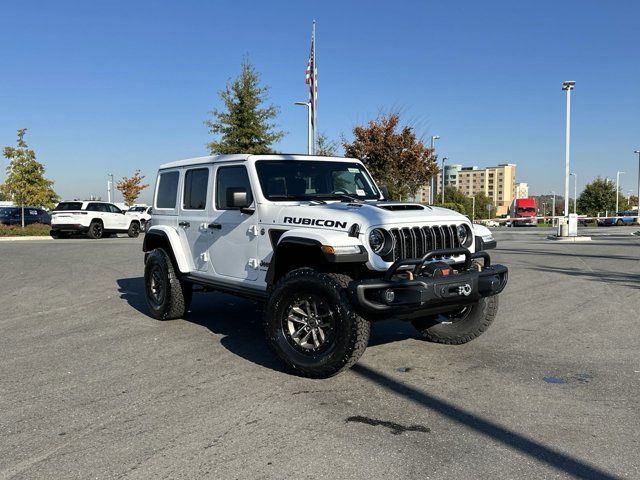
column 569, row 239
column 20, row 239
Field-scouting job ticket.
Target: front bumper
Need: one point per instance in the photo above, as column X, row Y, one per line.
column 415, row 292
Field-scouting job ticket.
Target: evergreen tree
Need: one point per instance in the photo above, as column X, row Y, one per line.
column 26, row 184
column 244, row 126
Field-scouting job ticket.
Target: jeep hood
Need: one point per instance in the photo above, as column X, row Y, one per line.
column 369, row 214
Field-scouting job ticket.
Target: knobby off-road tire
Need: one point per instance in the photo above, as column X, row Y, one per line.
column 344, row 334
column 461, row 326
column 134, row 230
column 96, row 230
column 167, row 296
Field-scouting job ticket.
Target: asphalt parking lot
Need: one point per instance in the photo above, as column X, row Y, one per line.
column 91, row 387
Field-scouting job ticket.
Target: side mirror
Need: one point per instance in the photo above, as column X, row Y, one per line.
column 237, row 197
column 385, row 192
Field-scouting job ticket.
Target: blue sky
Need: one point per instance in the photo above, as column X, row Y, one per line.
column 108, row 87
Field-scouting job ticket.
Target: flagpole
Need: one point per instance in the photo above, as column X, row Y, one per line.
column 315, row 90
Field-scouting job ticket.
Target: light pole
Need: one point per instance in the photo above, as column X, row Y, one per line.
column 553, row 209
column 110, row 187
column 567, row 86
column 310, row 145
column 575, row 191
column 444, row 159
column 617, row 191
column 638, row 152
column 433, row 180
column 473, row 210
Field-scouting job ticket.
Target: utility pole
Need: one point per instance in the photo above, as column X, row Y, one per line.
column 553, row 209
column 110, row 187
column 567, row 86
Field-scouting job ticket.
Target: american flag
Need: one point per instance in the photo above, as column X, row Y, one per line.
column 312, row 77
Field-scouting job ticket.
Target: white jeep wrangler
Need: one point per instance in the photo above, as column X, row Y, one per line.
column 314, row 239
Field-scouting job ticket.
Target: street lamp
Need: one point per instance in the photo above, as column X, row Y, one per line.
column 617, row 190
column 444, row 159
column 638, row 152
column 567, row 86
column 433, row 180
column 575, row 191
column 310, row 146
column 110, row 187
column 553, row 209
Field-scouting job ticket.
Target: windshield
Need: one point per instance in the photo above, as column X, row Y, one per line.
column 136, row 209
column 527, row 209
column 310, row 179
column 69, row 206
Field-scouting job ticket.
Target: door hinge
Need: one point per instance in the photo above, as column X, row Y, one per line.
column 253, row 230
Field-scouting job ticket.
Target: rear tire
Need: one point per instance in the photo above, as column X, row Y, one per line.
column 311, row 326
column 619, row 222
column 96, row 230
column 167, row 296
column 461, row 326
column 134, row 230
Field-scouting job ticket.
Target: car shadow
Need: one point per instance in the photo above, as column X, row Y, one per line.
column 239, row 321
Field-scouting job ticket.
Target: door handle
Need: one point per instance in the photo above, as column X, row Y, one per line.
column 215, row 225
column 184, row 224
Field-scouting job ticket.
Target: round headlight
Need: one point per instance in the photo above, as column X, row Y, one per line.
column 376, row 240
column 464, row 235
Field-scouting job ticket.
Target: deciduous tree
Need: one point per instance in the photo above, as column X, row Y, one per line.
column 244, row 125
column 25, row 183
column 393, row 154
column 598, row 196
column 131, row 187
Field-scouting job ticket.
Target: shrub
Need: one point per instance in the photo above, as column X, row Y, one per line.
column 34, row 230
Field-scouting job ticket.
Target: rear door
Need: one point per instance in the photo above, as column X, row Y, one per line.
column 234, row 251
column 195, row 212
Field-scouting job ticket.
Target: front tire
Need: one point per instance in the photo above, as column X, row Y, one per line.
column 311, row 326
column 167, row 296
column 134, row 230
column 461, row 326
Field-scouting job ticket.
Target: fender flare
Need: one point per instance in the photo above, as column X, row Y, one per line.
column 294, row 238
column 170, row 236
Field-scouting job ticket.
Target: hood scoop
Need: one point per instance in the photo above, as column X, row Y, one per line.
column 394, row 207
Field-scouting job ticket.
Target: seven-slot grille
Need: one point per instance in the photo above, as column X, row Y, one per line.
column 415, row 242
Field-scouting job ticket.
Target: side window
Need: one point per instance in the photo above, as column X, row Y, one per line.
column 114, row 209
column 230, row 178
column 167, row 190
column 195, row 189
column 96, row 207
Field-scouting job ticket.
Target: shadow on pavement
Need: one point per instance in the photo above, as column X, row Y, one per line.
column 516, row 441
column 630, row 280
column 240, row 322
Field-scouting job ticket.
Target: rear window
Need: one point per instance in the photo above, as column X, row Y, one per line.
column 69, row 206
column 195, row 189
column 167, row 190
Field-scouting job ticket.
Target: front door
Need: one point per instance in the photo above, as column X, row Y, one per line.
column 234, row 252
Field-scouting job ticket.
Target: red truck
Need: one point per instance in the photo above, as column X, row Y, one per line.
column 523, row 212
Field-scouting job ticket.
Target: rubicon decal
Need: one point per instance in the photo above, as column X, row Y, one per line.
column 318, row 222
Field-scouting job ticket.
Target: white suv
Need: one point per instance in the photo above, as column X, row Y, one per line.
column 314, row 239
column 95, row 219
column 142, row 213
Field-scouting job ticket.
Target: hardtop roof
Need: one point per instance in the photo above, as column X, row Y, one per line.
column 245, row 156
